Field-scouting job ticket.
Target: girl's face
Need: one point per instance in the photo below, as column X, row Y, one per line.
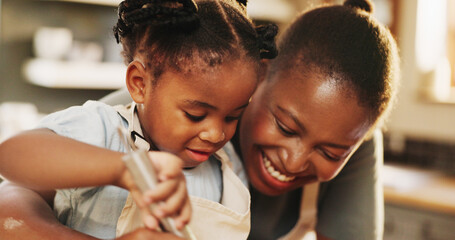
column 193, row 114
column 298, row 130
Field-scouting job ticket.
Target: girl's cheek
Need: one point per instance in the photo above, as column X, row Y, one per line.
column 230, row 131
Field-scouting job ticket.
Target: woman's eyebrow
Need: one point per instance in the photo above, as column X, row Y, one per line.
column 334, row 145
column 300, row 125
column 292, row 116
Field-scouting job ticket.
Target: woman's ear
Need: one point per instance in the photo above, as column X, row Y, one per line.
column 136, row 81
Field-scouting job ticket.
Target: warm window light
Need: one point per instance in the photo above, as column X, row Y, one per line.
column 431, row 49
column 431, row 33
column 270, row 10
column 441, row 88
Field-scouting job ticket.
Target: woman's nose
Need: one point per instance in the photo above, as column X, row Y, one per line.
column 296, row 160
column 213, row 133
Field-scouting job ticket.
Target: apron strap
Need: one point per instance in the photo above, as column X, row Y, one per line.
column 309, row 204
column 305, row 227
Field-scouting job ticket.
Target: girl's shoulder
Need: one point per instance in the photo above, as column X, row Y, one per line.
column 93, row 123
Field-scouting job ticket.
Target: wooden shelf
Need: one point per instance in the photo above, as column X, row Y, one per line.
column 74, row 74
column 272, row 10
column 96, row 2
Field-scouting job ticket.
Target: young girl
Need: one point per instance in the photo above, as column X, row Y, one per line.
column 192, row 69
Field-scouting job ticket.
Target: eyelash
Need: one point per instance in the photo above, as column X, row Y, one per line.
column 194, row 118
column 328, row 156
column 286, row 132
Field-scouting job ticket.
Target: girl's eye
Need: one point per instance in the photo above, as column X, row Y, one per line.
column 329, row 156
column 285, row 130
column 194, row 118
column 232, row 119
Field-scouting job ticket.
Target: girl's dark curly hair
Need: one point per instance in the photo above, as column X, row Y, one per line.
column 170, row 33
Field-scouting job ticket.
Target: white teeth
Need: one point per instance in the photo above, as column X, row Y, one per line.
column 275, row 173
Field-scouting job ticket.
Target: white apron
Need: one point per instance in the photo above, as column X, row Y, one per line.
column 305, row 227
column 210, row 220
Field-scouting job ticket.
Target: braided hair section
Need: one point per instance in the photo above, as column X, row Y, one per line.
column 266, row 40
column 364, row 5
column 242, row 2
column 178, row 14
column 172, row 34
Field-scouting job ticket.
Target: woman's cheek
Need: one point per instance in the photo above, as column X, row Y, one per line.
column 262, row 128
column 328, row 170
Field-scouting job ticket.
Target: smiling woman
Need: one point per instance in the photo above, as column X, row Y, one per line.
column 296, row 124
column 330, row 87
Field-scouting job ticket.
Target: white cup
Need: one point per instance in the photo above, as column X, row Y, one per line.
column 52, row 43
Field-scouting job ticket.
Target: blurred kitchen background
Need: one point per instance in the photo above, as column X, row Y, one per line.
column 54, row 54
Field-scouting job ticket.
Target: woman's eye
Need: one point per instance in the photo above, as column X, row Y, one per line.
column 329, row 156
column 285, row 130
column 194, row 118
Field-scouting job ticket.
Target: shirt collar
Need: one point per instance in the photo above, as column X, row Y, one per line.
column 129, row 113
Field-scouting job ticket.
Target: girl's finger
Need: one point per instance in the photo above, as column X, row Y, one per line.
column 174, row 203
column 166, row 164
column 163, row 190
column 138, row 198
column 150, row 221
column 184, row 217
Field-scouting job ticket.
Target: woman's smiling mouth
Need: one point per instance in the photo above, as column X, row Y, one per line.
column 275, row 173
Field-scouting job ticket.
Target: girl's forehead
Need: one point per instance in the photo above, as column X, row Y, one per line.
column 198, row 64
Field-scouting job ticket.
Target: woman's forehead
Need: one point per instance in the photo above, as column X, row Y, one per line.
column 325, row 106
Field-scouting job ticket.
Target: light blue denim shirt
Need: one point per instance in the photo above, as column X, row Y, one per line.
column 95, row 210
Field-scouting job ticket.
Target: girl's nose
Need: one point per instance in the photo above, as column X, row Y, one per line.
column 213, row 134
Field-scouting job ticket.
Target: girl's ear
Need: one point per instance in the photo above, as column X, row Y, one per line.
column 136, row 81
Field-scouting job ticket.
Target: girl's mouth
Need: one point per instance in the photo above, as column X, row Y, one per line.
column 275, row 173
column 198, row 156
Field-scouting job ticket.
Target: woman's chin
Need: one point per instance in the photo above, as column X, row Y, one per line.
column 264, row 182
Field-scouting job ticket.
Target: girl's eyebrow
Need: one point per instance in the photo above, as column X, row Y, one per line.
column 196, row 103
column 243, row 106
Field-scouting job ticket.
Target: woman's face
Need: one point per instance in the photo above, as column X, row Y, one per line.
column 298, row 130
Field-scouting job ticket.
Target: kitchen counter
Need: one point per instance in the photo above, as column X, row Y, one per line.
column 418, row 188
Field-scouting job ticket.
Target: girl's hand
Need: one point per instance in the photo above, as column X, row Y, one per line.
column 170, row 193
column 146, row 234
